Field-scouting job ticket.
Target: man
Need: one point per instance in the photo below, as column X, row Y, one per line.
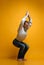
column 22, row 33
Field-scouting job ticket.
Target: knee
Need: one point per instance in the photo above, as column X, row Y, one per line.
column 27, row 47
column 23, row 46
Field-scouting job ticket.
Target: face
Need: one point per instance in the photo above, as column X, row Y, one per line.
column 26, row 25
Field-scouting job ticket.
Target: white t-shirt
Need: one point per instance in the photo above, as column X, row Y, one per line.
column 22, row 33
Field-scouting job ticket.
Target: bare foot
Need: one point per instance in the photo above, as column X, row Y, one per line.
column 21, row 59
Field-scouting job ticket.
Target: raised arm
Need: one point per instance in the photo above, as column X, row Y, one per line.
column 24, row 18
column 22, row 21
column 30, row 20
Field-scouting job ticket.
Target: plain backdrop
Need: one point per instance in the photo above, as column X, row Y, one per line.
column 11, row 13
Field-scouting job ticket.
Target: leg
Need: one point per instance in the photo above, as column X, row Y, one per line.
column 26, row 48
column 20, row 54
column 21, row 46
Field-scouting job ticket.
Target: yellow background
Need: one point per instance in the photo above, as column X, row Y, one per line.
column 11, row 13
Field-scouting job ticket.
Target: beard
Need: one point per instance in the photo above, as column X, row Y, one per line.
column 25, row 28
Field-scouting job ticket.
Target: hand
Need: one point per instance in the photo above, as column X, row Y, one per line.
column 29, row 17
column 27, row 13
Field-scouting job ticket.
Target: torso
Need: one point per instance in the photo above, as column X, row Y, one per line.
column 21, row 34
